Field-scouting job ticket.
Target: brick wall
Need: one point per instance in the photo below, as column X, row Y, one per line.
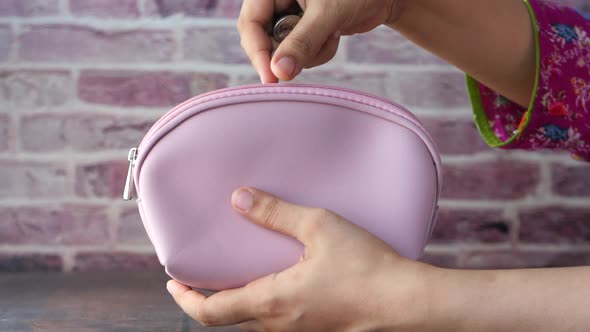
column 81, row 81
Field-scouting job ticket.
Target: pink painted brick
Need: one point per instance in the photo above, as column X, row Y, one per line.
column 385, row 46
column 374, row 83
column 430, row 89
column 29, row 8
column 30, row 263
column 6, row 43
column 116, row 261
column 24, row 89
column 106, row 179
column 498, row 180
column 67, row 225
column 441, row 260
column 32, row 180
column 198, row 8
column 514, row 259
column 555, row 224
column 455, row 137
column 206, row 82
column 471, row 226
column 129, row 88
column 571, row 181
column 81, row 132
column 70, row 43
column 105, row 8
column 215, row 45
column 250, row 78
column 150, row 8
column 5, row 132
column 131, row 230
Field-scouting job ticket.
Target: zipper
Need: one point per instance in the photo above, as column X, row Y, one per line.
column 180, row 108
column 128, row 192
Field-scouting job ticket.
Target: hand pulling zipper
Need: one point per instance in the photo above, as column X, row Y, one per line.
column 132, row 157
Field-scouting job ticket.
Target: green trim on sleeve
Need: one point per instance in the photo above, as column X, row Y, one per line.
column 481, row 119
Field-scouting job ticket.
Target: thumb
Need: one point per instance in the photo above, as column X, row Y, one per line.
column 273, row 213
column 302, row 44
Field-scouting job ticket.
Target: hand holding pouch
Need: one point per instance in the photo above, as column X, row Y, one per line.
column 361, row 156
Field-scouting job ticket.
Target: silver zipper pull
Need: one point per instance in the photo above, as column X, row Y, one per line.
column 284, row 26
column 128, row 193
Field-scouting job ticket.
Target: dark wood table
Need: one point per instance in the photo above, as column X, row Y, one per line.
column 91, row 302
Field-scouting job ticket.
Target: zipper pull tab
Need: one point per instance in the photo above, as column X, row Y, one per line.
column 127, row 194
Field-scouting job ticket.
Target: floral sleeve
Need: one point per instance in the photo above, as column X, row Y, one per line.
column 559, row 114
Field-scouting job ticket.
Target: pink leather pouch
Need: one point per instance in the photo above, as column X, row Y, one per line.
column 361, row 156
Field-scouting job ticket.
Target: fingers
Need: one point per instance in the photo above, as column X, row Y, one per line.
column 327, row 52
column 232, row 306
column 261, row 62
column 255, row 17
column 228, row 307
column 264, row 297
column 251, row 326
column 276, row 214
column 303, row 43
column 282, row 6
column 187, row 299
column 301, row 49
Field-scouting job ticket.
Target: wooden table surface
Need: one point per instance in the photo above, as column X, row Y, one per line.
column 91, row 302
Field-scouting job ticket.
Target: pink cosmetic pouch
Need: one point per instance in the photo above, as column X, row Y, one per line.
column 363, row 157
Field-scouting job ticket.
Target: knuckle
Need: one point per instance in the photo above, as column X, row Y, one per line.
column 272, row 305
column 301, row 44
column 320, row 215
column 271, row 212
column 242, row 44
column 250, row 56
column 317, row 220
column 241, row 21
column 241, row 24
column 204, row 316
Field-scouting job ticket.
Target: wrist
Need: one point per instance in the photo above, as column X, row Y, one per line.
column 460, row 299
column 435, row 300
column 444, row 291
column 406, row 296
column 429, row 311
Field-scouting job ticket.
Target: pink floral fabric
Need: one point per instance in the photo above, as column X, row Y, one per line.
column 560, row 115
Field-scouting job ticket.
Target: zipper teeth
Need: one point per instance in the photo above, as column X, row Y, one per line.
column 169, row 116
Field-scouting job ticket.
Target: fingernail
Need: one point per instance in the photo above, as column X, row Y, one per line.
column 243, row 199
column 170, row 287
column 337, row 34
column 287, row 65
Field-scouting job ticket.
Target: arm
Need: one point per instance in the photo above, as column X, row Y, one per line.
column 493, row 41
column 528, row 62
column 528, row 67
column 509, row 300
column 349, row 280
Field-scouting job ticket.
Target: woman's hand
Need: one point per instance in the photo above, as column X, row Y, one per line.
column 493, row 41
column 315, row 39
column 346, row 280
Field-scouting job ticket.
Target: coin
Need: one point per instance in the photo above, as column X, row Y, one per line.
column 284, row 26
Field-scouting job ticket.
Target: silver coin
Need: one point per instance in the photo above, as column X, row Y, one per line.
column 284, row 26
